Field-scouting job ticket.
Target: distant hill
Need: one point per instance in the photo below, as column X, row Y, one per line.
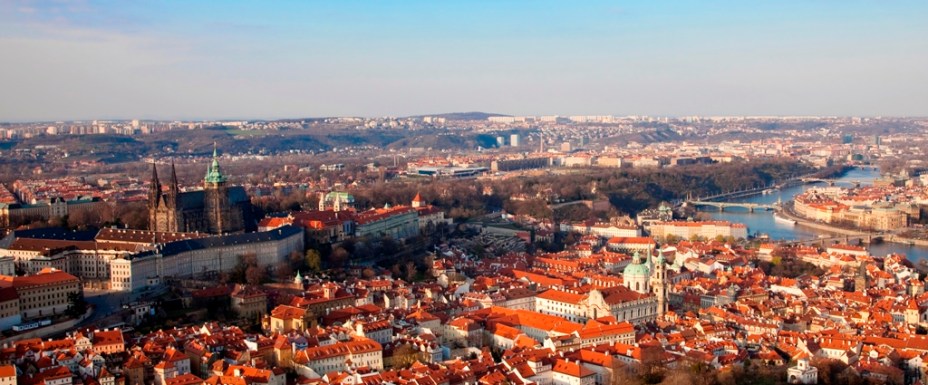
column 475, row 115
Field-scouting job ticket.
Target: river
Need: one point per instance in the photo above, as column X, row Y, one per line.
column 764, row 222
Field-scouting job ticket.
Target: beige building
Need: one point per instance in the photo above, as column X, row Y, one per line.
column 44, row 294
column 249, row 301
column 9, row 308
column 619, row 302
column 398, row 222
column 197, row 256
column 285, row 318
column 7, row 375
column 706, row 230
column 340, row 356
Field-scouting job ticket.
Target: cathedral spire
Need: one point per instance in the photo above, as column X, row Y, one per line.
column 213, row 173
column 154, row 189
column 154, row 173
column 174, row 185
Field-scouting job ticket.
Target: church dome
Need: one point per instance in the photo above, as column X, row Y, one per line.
column 636, row 268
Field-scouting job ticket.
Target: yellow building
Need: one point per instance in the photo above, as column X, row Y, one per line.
column 46, row 293
column 285, row 318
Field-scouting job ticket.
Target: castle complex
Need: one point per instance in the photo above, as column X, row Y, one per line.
column 217, row 209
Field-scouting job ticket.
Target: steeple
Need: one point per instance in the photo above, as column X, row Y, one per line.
column 659, row 282
column 213, row 173
column 174, row 184
column 154, row 189
column 173, row 189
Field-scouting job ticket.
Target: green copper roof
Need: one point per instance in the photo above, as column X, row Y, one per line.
column 213, row 173
column 636, row 270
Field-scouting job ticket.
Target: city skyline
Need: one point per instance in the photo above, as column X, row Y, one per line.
column 102, row 60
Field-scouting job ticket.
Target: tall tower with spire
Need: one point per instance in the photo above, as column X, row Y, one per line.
column 155, row 200
column 217, row 208
column 659, row 282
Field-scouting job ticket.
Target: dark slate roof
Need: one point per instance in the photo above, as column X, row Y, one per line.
column 197, row 199
column 225, row 240
column 57, row 233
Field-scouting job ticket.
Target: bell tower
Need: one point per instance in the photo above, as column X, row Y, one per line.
column 217, row 198
column 154, row 199
column 659, row 282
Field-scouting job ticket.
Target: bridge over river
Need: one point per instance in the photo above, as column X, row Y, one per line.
column 723, row 205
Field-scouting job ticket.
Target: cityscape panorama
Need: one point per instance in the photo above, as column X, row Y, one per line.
column 463, row 192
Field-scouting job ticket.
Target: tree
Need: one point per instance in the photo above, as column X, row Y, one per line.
column 652, row 363
column 339, row 257
column 77, row 306
column 81, row 219
column 405, row 355
column 255, row 275
column 283, row 271
column 313, row 260
column 134, row 215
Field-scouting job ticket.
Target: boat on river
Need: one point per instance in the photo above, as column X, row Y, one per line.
column 781, row 219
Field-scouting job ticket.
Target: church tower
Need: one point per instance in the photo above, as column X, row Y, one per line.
column 861, row 282
column 216, row 196
column 154, row 199
column 659, row 283
column 171, row 201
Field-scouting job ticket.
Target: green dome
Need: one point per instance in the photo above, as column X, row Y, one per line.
column 636, row 270
column 213, row 174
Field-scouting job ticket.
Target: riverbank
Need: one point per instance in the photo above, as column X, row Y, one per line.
column 781, row 230
column 787, row 213
column 903, row 240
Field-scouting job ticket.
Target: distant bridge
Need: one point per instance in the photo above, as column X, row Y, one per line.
column 831, row 182
column 723, row 205
column 587, row 203
column 845, row 239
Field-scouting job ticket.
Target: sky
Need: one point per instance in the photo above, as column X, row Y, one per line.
column 80, row 60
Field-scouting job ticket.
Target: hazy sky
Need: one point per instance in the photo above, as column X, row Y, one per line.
column 263, row 59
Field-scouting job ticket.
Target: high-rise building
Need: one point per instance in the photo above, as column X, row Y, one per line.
column 514, row 140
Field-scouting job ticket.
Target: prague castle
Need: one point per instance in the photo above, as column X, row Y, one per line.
column 217, row 209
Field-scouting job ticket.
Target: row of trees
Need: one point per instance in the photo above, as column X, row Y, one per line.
column 134, row 215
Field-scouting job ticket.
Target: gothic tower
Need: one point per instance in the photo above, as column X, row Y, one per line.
column 659, row 283
column 154, row 199
column 217, row 205
column 173, row 213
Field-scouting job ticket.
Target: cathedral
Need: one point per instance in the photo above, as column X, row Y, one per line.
column 216, row 209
